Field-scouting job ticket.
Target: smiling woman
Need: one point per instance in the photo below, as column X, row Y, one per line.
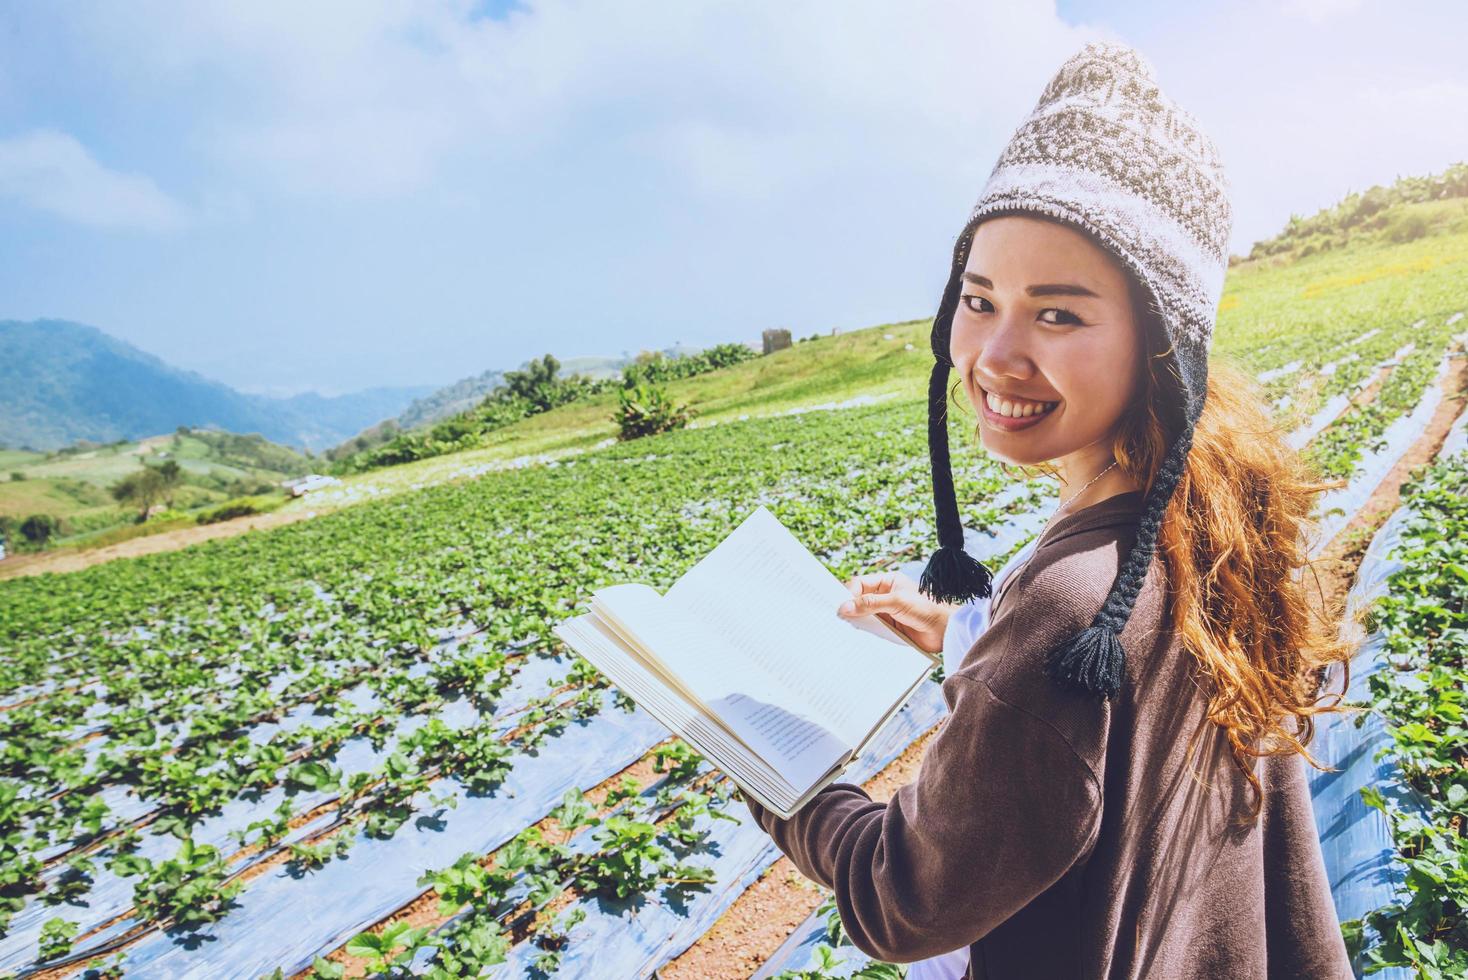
column 1119, row 787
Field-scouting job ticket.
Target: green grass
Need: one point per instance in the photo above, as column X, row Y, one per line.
column 74, row 486
column 56, row 497
column 13, row 458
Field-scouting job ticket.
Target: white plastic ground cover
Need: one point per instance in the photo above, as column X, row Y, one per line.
column 1360, row 856
column 286, row 922
column 798, row 952
column 1337, row 403
column 124, row 806
column 1337, row 507
column 632, row 938
column 111, row 895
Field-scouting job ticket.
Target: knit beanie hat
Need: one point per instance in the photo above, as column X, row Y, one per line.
column 1105, row 151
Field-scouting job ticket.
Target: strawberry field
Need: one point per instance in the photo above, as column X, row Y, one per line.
column 352, row 745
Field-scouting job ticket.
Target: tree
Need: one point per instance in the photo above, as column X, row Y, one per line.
column 142, row 488
column 171, row 475
column 39, row 528
column 536, row 383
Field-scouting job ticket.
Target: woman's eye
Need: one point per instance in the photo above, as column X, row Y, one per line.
column 971, row 300
column 1063, row 312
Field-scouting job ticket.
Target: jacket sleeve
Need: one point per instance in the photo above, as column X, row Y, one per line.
column 1001, row 808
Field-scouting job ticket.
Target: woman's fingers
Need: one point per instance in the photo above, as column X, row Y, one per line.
column 874, row 602
column 877, row 582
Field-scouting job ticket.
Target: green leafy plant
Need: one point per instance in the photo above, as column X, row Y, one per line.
column 1422, row 696
column 647, row 409
column 393, row 946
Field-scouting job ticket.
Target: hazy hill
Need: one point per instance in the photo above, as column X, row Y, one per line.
column 61, row 382
column 465, row 393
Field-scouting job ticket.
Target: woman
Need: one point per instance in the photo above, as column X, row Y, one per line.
column 1119, row 787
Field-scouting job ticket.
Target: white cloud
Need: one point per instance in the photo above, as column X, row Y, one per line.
column 1320, row 11
column 51, row 171
column 359, row 99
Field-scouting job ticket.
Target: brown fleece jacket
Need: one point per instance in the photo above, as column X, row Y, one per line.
column 1058, row 835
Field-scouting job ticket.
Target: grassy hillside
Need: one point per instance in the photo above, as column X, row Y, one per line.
column 74, row 484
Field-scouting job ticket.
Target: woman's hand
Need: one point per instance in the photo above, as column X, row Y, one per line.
column 895, row 600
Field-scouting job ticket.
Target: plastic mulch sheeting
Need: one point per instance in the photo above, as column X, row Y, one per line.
column 284, row 921
column 1360, row 856
column 632, row 938
column 111, row 895
column 1337, row 507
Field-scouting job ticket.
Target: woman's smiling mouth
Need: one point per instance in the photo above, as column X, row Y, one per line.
column 1013, row 414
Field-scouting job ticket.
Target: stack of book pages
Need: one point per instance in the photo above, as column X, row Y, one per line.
column 746, row 660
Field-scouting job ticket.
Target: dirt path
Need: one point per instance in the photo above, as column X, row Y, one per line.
column 748, row 934
column 72, row 561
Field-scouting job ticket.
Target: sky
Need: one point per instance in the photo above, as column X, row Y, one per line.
column 330, row 196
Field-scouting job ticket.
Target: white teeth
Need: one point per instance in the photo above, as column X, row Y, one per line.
column 1009, row 409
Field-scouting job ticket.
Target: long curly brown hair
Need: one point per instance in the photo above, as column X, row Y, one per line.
column 1235, row 543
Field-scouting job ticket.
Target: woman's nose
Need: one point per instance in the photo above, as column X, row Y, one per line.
column 1003, row 352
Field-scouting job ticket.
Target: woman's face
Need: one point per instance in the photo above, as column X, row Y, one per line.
column 1046, row 342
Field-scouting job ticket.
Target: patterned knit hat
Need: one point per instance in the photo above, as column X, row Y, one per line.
column 1105, row 151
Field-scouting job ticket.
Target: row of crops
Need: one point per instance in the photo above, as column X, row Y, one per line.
column 1419, row 693
column 243, row 757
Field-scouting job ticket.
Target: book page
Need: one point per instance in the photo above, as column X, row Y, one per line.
column 769, row 598
column 594, row 640
column 755, row 705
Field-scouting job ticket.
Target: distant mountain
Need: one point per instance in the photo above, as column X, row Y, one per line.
column 62, row 381
column 452, row 399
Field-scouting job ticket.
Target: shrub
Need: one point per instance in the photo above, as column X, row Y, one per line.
column 39, row 529
column 645, row 410
column 228, row 510
column 1407, row 227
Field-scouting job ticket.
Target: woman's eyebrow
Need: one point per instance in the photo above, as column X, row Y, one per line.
column 1044, row 289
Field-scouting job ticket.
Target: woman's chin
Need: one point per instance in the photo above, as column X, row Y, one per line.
column 1006, row 448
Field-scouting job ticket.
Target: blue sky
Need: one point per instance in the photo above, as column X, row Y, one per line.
column 335, row 195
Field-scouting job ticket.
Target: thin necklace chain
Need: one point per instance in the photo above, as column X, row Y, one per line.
column 1050, row 523
column 1084, row 488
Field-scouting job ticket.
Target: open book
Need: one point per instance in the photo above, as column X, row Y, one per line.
column 746, row 660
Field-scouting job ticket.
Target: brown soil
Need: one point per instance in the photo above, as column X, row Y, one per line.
column 73, row 561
